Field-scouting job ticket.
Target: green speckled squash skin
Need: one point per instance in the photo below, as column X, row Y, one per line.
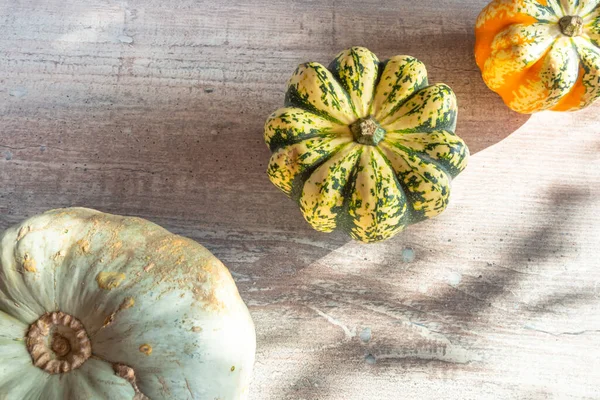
column 161, row 316
column 364, row 146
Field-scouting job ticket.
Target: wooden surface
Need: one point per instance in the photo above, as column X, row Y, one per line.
column 156, row 108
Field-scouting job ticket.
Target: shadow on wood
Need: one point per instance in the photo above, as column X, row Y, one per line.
column 325, row 307
column 491, row 285
column 483, row 118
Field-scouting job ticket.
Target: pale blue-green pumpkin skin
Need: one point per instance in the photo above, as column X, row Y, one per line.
column 185, row 306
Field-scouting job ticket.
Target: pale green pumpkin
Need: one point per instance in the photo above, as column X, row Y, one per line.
column 98, row 306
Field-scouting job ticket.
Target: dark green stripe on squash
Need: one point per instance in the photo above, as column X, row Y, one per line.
column 412, row 195
column 448, row 122
column 334, row 68
column 418, row 86
column 346, row 222
column 295, row 99
column 302, row 177
column 441, row 162
column 343, row 220
column 278, row 141
column 411, row 216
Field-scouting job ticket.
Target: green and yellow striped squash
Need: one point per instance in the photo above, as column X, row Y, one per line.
column 365, row 146
column 541, row 54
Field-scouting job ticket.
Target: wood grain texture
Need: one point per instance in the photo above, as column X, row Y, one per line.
column 156, row 109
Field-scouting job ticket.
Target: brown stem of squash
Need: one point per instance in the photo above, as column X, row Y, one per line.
column 367, row 131
column 571, row 25
column 58, row 343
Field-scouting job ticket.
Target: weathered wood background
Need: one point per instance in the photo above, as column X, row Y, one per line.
column 156, row 108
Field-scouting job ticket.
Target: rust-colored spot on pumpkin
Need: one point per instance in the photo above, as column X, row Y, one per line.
column 59, row 254
column 110, row 280
column 146, row 349
column 29, row 263
column 127, row 303
column 117, row 246
column 197, row 329
column 208, row 298
column 108, row 320
column 84, row 245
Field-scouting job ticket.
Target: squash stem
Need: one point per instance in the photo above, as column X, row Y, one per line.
column 367, row 131
column 58, row 343
column 571, row 25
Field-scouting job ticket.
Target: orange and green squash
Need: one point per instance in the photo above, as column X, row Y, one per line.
column 364, row 146
column 99, row 306
column 541, row 54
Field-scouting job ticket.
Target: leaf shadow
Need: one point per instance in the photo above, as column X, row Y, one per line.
column 525, row 258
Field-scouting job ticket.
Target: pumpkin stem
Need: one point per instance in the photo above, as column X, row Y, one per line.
column 571, row 25
column 367, row 131
column 58, row 343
